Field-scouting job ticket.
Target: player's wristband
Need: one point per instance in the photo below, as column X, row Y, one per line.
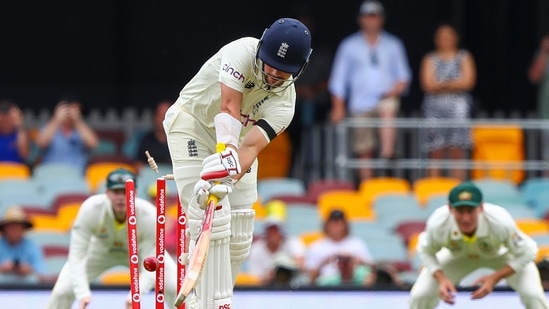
column 227, row 129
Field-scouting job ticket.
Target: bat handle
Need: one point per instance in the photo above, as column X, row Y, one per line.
column 219, row 147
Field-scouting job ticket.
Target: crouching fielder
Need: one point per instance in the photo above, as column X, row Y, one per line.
column 242, row 97
column 99, row 241
column 466, row 235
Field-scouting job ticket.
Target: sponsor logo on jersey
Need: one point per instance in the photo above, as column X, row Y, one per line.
column 249, row 85
column 191, row 148
column 257, row 105
column 517, row 240
column 233, row 72
column 246, row 120
column 103, row 233
column 485, row 246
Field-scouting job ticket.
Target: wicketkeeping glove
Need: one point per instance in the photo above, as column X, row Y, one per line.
column 220, row 166
column 203, row 189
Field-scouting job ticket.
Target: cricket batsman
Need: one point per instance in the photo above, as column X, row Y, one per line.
column 99, row 241
column 242, row 97
column 468, row 234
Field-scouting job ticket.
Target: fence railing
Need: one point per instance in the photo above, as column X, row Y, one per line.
column 328, row 151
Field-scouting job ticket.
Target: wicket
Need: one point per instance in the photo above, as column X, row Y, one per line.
column 182, row 248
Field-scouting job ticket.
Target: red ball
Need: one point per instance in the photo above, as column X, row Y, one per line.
column 150, row 263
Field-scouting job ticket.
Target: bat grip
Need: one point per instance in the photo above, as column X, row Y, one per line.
column 219, row 147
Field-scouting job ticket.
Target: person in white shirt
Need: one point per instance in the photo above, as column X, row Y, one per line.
column 241, row 99
column 99, row 241
column 322, row 257
column 274, row 248
column 468, row 234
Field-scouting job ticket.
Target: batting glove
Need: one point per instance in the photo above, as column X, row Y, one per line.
column 203, row 189
column 220, row 166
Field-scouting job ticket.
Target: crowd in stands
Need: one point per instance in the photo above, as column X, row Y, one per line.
column 324, row 233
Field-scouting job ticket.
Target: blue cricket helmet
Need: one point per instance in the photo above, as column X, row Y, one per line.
column 286, row 46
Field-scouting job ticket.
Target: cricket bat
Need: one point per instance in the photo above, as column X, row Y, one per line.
column 201, row 247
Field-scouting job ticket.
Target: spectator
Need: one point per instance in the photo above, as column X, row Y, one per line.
column 447, row 74
column 276, row 257
column 369, row 75
column 14, row 138
column 539, row 74
column 155, row 140
column 312, row 97
column 21, row 259
column 339, row 256
column 67, row 139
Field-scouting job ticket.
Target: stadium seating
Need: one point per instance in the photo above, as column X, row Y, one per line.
column 541, row 239
column 373, row 188
column 104, row 146
column 96, row 173
column 501, row 192
column 66, row 215
column 47, row 223
column 247, row 279
column 53, row 266
column 393, row 209
column 387, row 248
column 115, row 276
column 535, row 193
column 317, row 187
column 45, row 171
column 533, row 226
column 55, row 250
column 531, row 187
column 28, row 198
column 302, row 218
column 498, row 144
column 435, row 202
column 275, row 160
column 350, row 202
column 68, row 198
column 51, row 189
column 425, row 188
column 49, row 238
column 9, row 170
column 268, row 188
column 310, row 237
column 18, row 187
column 407, row 229
column 543, row 252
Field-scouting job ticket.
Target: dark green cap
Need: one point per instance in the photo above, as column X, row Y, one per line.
column 117, row 178
column 465, row 194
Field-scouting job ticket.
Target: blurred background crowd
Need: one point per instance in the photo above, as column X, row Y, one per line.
column 84, row 91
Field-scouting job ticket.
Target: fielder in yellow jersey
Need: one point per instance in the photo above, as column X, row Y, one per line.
column 466, row 235
column 242, row 97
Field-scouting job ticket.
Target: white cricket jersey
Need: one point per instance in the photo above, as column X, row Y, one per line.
column 496, row 234
column 233, row 65
column 95, row 232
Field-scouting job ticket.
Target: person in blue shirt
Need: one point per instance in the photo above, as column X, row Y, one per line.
column 21, row 259
column 370, row 74
column 67, row 138
column 14, row 138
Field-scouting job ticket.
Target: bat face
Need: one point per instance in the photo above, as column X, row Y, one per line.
column 198, row 258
